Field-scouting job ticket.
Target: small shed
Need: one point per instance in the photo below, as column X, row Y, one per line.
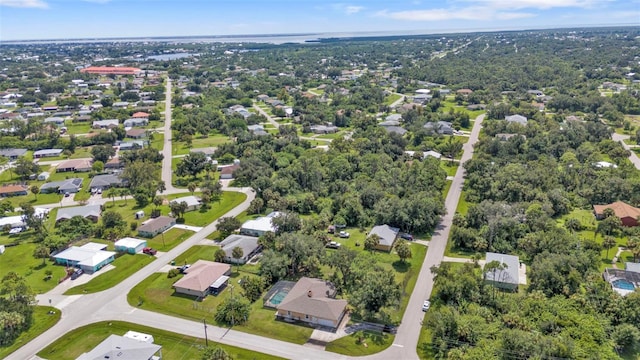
column 130, row 245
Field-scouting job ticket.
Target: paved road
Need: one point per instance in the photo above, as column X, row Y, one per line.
column 167, row 148
column 406, row 341
column 633, row 157
column 264, row 113
column 111, row 304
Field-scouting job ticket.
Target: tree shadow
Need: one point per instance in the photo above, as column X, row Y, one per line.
column 401, row 267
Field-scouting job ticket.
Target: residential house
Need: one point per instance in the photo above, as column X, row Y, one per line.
column 312, row 301
column 114, row 163
column 130, row 245
column 259, row 226
column 120, row 104
column 323, row 129
column 387, row 236
column 394, row 117
column 522, row 120
column 441, row 127
column 226, row 172
column 425, row 154
column 506, row 277
column 124, row 348
column 46, row 153
column 136, row 133
column 248, row 244
column 627, row 214
column 91, row 212
column 140, row 115
column 75, row 165
column 623, row 282
column 136, row 122
column 70, row 186
column 202, row 278
column 103, row 182
column 395, row 129
column 193, row 203
column 90, row 257
column 156, row 226
column 463, row 92
column 43, row 176
column 105, row 124
column 130, row 145
column 13, row 190
column 12, row 154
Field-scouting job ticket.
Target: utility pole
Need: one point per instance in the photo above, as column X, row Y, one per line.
column 206, row 339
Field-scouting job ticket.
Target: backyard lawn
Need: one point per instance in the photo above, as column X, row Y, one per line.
column 20, row 260
column 391, row 99
column 169, row 239
column 174, row 346
column 125, row 266
column 42, row 321
column 180, row 148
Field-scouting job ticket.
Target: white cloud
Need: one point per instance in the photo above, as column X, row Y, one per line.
column 24, row 3
column 347, row 9
column 470, row 13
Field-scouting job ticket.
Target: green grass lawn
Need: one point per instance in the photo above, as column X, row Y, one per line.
column 75, row 128
column 195, row 253
column 425, row 351
column 335, row 135
column 174, row 346
column 125, row 266
column 158, row 141
column 32, row 199
column 391, row 99
column 447, row 187
column 180, row 148
column 20, row 260
column 450, row 167
column 42, row 321
column 349, row 345
column 169, row 240
column 463, row 205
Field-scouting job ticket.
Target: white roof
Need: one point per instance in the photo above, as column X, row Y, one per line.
column 605, row 164
column 190, row 200
column 261, row 223
column 134, row 335
column 121, row 348
column 129, row 242
column 11, row 221
column 84, row 256
column 423, row 91
column 221, row 280
column 94, row 246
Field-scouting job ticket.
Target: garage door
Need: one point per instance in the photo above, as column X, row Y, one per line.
column 325, row 322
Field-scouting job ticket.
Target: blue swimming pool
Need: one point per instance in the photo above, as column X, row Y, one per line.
column 623, row 284
column 277, row 298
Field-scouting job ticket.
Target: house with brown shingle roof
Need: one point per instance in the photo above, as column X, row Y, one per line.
column 628, row 214
column 312, row 301
column 202, row 278
column 156, row 226
column 13, row 190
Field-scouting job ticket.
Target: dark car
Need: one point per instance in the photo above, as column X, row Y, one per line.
column 76, row 274
column 183, row 268
column 150, row 251
column 406, row 236
column 390, row 329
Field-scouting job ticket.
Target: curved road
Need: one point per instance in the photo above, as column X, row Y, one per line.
column 111, row 304
column 633, row 157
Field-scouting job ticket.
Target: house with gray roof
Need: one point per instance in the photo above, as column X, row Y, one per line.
column 61, row 187
column 130, row 145
column 58, row 121
column 441, row 127
column 123, row 348
column 193, row 203
column 107, row 181
column 91, row 212
column 507, row 277
column 12, row 154
column 136, row 122
column 312, row 301
column 105, row 124
column 395, row 129
column 394, row 117
column 517, row 119
column 387, row 235
column 156, row 226
column 46, row 153
column 323, row 129
column 248, row 244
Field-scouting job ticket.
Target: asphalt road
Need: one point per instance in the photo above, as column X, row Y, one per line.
column 633, row 156
column 167, row 148
column 269, row 118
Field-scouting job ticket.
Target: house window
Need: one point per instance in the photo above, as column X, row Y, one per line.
column 288, row 313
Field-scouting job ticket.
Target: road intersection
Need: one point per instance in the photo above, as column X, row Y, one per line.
column 111, row 304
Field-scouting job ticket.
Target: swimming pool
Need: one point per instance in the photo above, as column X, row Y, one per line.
column 623, row 284
column 277, row 298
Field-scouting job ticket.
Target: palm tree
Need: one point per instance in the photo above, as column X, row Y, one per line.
column 573, row 225
column 112, row 193
column 35, row 190
column 608, row 243
column 192, row 186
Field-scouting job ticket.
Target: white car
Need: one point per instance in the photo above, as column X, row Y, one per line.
column 426, row 305
column 344, row 234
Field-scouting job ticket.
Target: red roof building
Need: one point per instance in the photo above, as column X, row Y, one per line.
column 140, row 115
column 627, row 214
column 110, row 70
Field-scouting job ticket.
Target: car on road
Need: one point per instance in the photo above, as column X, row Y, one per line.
column 406, row 236
column 390, row 329
column 333, row 245
column 426, row 305
column 150, row 251
column 344, row 234
column 76, row 274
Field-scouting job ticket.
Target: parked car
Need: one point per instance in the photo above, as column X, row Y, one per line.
column 67, row 194
column 184, row 268
column 344, row 234
column 390, row 329
column 333, row 245
column 406, row 236
column 99, row 191
column 426, row 305
column 150, row 251
column 76, row 274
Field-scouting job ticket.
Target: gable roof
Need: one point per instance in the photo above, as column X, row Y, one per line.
column 190, row 200
column 84, row 211
column 140, row 114
column 158, row 223
column 517, row 118
column 314, row 297
column 620, row 208
column 105, row 180
column 386, row 233
column 73, row 183
column 10, row 189
column 75, row 164
column 202, row 274
column 12, row 152
column 121, row 348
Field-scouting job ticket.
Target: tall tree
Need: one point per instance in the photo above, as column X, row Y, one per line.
column 403, row 249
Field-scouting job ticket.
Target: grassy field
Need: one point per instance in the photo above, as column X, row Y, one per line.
column 125, row 266
column 349, row 345
column 169, row 240
column 20, row 260
column 450, row 167
column 391, row 99
column 42, row 321
column 180, row 148
column 174, row 346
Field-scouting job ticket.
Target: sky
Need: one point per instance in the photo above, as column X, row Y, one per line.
column 63, row 19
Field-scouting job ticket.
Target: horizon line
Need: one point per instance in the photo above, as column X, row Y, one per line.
column 416, row 32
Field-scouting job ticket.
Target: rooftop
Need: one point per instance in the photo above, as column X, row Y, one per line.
column 202, row 274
